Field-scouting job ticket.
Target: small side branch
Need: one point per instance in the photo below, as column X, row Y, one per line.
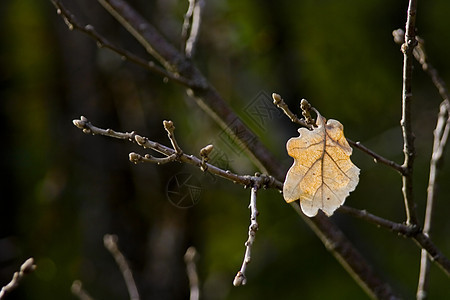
column 240, row 278
column 190, row 258
column 26, row 268
column 110, row 242
column 406, row 121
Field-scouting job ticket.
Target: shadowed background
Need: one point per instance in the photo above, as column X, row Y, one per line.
column 63, row 190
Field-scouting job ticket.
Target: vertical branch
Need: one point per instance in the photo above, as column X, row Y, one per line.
column 406, row 122
column 240, row 278
column 440, row 140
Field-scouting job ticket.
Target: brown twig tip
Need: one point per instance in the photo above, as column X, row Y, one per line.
column 168, row 125
column 205, row 151
column 276, row 98
column 279, row 102
column 399, row 36
column 306, row 112
column 170, row 128
column 134, row 157
column 240, row 279
column 28, row 266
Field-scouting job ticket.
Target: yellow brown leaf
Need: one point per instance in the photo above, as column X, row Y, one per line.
column 322, row 175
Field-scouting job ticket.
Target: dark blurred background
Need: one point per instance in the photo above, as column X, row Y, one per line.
column 62, row 190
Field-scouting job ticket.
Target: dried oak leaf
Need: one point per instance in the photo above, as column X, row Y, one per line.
column 322, row 175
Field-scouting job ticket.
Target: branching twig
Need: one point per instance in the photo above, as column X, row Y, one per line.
column 78, row 291
column 190, row 258
column 27, row 267
column 102, row 42
column 279, row 102
column 240, row 278
column 406, row 121
column 264, row 181
column 110, row 242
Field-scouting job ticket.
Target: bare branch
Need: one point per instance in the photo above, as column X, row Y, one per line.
column 440, row 141
column 191, row 26
column 110, row 242
column 406, row 121
column 190, row 258
column 240, row 278
column 78, row 291
column 265, row 181
column 27, row 267
column 398, row 228
column 102, row 42
column 411, row 231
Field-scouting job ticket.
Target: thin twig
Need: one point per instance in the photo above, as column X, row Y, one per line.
column 170, row 128
column 191, row 27
column 190, row 258
column 376, row 157
column 110, row 242
column 406, row 121
column 440, row 141
column 27, row 267
column 412, row 231
column 398, row 228
column 240, row 278
column 78, row 291
column 102, row 42
column 279, row 102
column 263, row 180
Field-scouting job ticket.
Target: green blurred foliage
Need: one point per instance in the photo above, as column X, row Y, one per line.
column 63, row 190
